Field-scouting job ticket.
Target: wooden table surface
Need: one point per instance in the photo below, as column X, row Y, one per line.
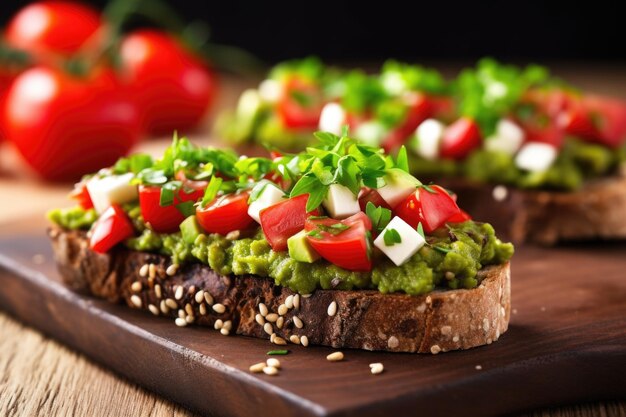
column 39, row 377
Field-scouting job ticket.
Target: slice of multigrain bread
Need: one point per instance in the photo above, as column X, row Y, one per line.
column 596, row 211
column 254, row 306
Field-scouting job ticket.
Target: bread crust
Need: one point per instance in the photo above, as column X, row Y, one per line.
column 365, row 319
column 547, row 217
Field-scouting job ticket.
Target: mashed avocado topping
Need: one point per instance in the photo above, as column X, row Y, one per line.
column 450, row 260
column 577, row 162
column 210, row 206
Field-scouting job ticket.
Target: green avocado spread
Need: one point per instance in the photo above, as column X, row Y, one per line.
column 577, row 162
column 450, row 260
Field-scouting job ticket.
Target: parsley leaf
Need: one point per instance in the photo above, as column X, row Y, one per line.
column 391, row 237
column 379, row 216
column 211, row 190
column 420, row 230
column 402, row 160
column 168, row 193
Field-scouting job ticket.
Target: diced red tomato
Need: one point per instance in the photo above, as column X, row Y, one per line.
column 420, row 109
column 348, row 248
column 371, row 195
column 443, row 108
column 546, row 132
column 81, row 195
column 301, row 104
column 164, row 219
column 196, row 185
column 597, row 119
column 274, row 154
column 460, row 138
column 225, row 214
column 112, row 227
column 283, row 220
column 460, row 217
column 432, row 209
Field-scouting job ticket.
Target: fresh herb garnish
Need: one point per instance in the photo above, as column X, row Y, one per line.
column 441, row 249
column 379, row 216
column 186, row 208
column 427, row 188
column 392, row 237
column 277, row 352
column 402, row 160
column 211, row 190
column 420, row 230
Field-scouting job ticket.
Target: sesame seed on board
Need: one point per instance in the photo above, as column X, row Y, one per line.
column 376, row 368
column 180, row 322
column 257, row 368
column 171, row 303
column 304, row 341
column 270, row 370
column 272, row 317
column 273, row 362
column 335, row 357
column 153, row 309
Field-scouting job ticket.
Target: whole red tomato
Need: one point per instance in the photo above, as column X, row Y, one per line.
column 173, row 88
column 67, row 126
column 57, row 27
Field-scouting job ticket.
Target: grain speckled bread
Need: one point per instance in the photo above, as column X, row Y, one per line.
column 433, row 323
column 597, row 211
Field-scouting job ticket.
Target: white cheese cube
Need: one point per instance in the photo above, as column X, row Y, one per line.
column 398, row 186
column 507, row 138
column 270, row 90
column 332, row 118
column 370, row 133
column 428, row 138
column 270, row 195
column 340, row 202
column 536, row 156
column 249, row 103
column 115, row 189
column 393, row 83
column 411, row 241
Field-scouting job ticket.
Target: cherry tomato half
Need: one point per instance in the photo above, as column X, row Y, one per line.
column 430, row 205
column 344, row 243
column 301, row 104
column 225, row 214
column 164, row 219
column 111, row 228
column 285, row 219
column 460, row 138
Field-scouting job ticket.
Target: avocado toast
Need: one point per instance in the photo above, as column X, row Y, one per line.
column 338, row 245
column 518, row 146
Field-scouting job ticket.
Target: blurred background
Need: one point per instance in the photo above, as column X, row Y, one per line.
column 421, row 30
column 86, row 61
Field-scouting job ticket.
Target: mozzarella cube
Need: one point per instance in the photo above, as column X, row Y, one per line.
column 429, row 135
column 398, row 186
column 393, row 83
column 370, row 133
column 507, row 138
column 536, row 156
column 270, row 90
column 332, row 118
column 340, row 202
column 270, row 195
column 400, row 252
column 249, row 104
column 114, row 189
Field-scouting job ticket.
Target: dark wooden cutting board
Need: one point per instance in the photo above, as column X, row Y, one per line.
column 566, row 344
